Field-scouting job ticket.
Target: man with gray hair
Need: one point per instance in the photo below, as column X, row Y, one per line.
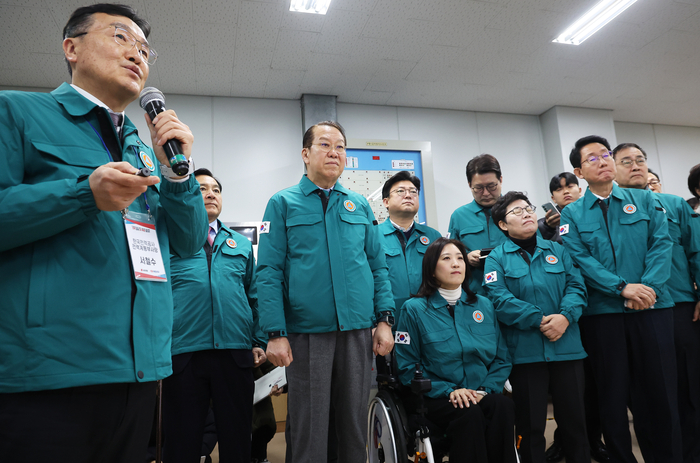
column 322, row 282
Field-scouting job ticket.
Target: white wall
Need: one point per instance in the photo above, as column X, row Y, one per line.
column 254, row 146
column 456, row 137
column 672, row 151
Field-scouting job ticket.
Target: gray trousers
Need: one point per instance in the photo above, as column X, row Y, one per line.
column 329, row 367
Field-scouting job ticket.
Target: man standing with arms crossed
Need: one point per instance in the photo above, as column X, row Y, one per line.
column 85, row 330
column 322, row 281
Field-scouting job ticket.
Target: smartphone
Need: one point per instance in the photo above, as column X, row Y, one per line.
column 550, row 206
column 485, row 252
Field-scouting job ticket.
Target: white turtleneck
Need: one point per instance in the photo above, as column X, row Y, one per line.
column 451, row 295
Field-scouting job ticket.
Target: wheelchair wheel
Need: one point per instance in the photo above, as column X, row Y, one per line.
column 386, row 440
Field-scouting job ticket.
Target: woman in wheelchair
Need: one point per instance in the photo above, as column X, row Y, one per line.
column 454, row 335
column 539, row 296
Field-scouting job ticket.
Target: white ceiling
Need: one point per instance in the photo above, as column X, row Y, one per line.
column 494, row 55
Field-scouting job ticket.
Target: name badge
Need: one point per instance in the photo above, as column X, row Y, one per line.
column 144, row 247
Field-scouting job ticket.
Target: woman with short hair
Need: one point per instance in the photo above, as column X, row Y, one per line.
column 539, row 296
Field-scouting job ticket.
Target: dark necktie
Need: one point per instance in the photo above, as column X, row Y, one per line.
column 487, row 214
column 604, row 209
column 207, row 250
column 324, row 198
column 117, row 122
column 402, row 239
column 106, row 129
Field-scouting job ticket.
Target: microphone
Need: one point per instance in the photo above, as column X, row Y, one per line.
column 152, row 101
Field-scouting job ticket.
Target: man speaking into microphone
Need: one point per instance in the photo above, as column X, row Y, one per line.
column 86, row 309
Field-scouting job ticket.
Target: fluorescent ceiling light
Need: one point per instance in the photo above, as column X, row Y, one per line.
column 309, row 6
column 593, row 21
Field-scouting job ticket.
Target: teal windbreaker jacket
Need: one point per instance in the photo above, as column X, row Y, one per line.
column 524, row 293
column 67, row 312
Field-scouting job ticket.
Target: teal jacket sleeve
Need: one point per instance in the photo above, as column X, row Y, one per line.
column 690, row 234
column 500, row 368
column 510, row 310
column 657, row 263
column 250, row 285
column 272, row 254
column 408, row 355
column 185, row 216
column 596, row 275
column 34, row 211
column 452, row 231
column 383, row 297
column 575, row 298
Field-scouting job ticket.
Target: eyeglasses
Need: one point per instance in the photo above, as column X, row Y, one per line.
column 595, row 158
column 519, row 210
column 127, row 40
column 640, row 161
column 326, row 147
column 480, row 188
column 403, row 191
column 654, row 182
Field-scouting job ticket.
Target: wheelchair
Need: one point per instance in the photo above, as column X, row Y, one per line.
column 397, row 426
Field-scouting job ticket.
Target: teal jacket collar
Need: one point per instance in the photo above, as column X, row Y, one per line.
column 438, row 302
column 308, row 187
column 389, row 228
column 475, row 207
column 589, row 199
column 509, row 246
column 77, row 105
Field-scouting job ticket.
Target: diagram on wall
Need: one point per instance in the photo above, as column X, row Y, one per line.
column 366, row 171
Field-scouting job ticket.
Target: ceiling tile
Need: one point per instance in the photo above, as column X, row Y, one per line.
column 216, row 11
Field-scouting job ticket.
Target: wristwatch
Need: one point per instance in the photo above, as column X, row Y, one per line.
column 277, row 334
column 387, row 318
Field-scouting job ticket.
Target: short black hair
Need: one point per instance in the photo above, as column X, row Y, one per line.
column 654, row 174
column 694, row 180
column 575, row 155
column 429, row 284
column 483, row 164
column 208, row 173
column 399, row 177
column 555, row 183
column 81, row 20
column 624, row 146
column 499, row 209
column 308, row 139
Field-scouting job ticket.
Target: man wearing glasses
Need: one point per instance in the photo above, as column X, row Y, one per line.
column 404, row 240
column 84, row 251
column 684, row 228
column 620, row 239
column 322, row 280
column 471, row 223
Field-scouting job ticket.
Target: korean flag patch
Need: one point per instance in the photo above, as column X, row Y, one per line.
column 264, row 228
column 564, row 229
column 402, row 338
column 490, row 277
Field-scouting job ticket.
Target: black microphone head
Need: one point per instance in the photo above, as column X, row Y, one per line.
column 150, row 94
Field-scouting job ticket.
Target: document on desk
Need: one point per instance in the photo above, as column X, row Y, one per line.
column 264, row 384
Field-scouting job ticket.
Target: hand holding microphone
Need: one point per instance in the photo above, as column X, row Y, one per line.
column 171, row 139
